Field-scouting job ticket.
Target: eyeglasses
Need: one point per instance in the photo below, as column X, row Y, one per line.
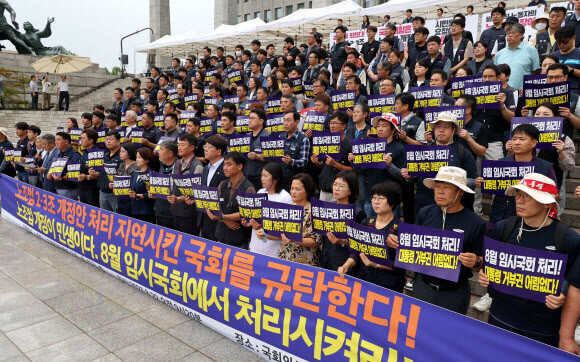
column 523, row 196
column 208, row 147
column 443, row 126
column 563, row 41
column 335, row 123
column 379, row 198
column 339, row 186
column 555, row 77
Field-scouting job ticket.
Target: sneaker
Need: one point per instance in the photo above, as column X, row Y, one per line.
column 484, row 303
column 409, row 285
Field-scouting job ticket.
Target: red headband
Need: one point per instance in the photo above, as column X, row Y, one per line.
column 540, row 186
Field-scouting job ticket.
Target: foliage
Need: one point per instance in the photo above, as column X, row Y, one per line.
column 15, row 83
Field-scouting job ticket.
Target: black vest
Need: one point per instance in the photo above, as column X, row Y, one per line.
column 438, row 63
column 459, row 54
column 397, row 75
column 543, row 43
column 229, row 205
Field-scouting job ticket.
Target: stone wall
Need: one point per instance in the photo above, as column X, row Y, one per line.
column 48, row 121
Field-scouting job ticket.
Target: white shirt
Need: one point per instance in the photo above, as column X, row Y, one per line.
column 212, row 169
column 33, row 86
column 46, row 86
column 63, row 86
column 269, row 247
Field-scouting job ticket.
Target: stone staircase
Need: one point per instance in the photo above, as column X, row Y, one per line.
column 102, row 95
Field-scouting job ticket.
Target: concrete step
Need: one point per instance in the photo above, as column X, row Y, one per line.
column 571, row 184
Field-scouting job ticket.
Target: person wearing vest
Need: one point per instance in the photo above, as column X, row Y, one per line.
column 22, row 134
column 573, row 20
column 532, row 228
column 296, row 150
column 524, row 139
column 384, row 50
column 88, row 188
column 168, row 151
column 255, row 162
column 107, row 199
column 229, row 229
column 438, row 60
column 417, row 49
column 64, row 187
column 545, row 41
column 213, row 174
column 494, row 37
column 448, row 212
column 338, row 52
column 370, row 49
column 398, row 73
column 390, row 31
column 182, row 207
column 142, row 207
column 48, row 143
column 445, row 128
column 458, row 48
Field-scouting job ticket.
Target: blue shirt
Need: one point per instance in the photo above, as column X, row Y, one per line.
column 523, row 60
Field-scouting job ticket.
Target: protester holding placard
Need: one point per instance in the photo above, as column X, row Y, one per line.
column 63, row 187
column 535, row 195
column 328, row 166
column 386, row 196
column 127, row 166
column 494, row 37
column 412, row 127
column 458, row 48
column 212, row 176
column 228, row 125
column 255, row 162
column 142, row 206
column 88, row 189
column 437, row 60
column 439, row 79
column 151, row 134
column 307, row 250
column 446, row 127
column 107, row 200
column 417, row 49
column 228, row 229
column 524, row 139
column 296, row 150
column 168, row 151
column 449, row 213
column 271, row 179
column 420, row 77
column 335, row 246
column 480, row 61
column 182, row 206
column 473, row 136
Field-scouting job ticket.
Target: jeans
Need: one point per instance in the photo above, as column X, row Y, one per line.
column 23, row 176
column 72, row 194
column 107, row 201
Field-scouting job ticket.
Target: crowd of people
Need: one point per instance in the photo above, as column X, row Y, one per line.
column 527, row 215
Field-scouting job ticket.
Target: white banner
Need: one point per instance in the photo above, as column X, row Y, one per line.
column 526, row 16
column 566, row 4
column 442, row 26
column 359, row 37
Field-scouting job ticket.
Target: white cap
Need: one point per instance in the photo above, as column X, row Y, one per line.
column 4, row 131
column 539, row 187
column 447, row 117
column 450, row 174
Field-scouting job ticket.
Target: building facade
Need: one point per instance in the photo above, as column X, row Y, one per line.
column 237, row 11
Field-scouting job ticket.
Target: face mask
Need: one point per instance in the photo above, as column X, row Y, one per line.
column 297, row 62
column 540, row 26
column 143, row 97
column 238, row 53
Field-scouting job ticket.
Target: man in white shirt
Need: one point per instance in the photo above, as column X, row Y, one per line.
column 46, row 87
column 33, row 93
column 62, row 91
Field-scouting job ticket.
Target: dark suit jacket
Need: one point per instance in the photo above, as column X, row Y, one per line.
column 207, row 225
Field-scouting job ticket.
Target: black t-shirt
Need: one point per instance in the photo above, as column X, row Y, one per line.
column 376, row 175
column 378, row 276
column 466, row 222
column 293, row 53
column 497, row 127
column 529, row 315
column 328, row 173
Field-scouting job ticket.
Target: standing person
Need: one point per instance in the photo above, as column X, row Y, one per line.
column 213, row 174
column 151, row 134
column 330, row 167
column 271, row 179
column 494, row 37
column 371, row 47
column 449, row 213
column 48, row 144
column 366, row 22
column 64, row 187
column 6, row 168
column 408, row 17
column 170, row 125
column 127, row 166
column 386, row 197
column 360, row 130
column 46, row 85
column 481, row 61
column 573, row 20
column 168, row 151
column 306, row 251
column 62, row 92
column 458, row 48
column 569, row 55
column 523, row 59
column 33, row 93
column 418, row 48
column 88, row 188
column 142, row 207
column 255, row 161
column 119, row 103
column 532, row 227
column 182, row 207
column 545, row 41
column 229, row 229
column 438, row 60
column 22, row 145
column 107, row 200
column 296, row 150
column 334, row 250
column 31, row 151
column 338, row 52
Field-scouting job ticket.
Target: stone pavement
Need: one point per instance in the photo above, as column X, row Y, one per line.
column 54, row 306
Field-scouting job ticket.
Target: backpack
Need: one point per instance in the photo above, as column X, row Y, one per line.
column 559, row 233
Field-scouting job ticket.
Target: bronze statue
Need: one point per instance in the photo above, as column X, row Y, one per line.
column 30, row 41
column 10, row 33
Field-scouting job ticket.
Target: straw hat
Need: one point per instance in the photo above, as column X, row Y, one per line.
column 389, row 117
column 450, row 174
column 539, row 187
column 447, row 117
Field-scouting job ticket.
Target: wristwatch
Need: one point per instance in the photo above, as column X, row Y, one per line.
column 477, row 263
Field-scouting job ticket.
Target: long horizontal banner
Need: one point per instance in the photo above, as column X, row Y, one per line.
column 294, row 311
